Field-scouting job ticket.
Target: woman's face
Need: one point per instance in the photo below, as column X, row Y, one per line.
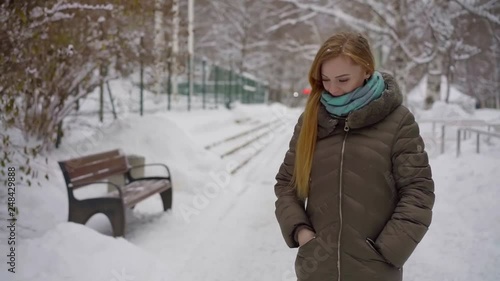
column 341, row 75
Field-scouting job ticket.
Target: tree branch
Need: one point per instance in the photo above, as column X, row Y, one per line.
column 336, row 12
column 283, row 23
column 480, row 11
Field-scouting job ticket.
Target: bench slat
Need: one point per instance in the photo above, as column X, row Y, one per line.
column 137, row 191
column 97, row 177
column 81, row 161
column 116, row 164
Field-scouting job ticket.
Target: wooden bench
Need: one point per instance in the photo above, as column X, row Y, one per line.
column 97, row 168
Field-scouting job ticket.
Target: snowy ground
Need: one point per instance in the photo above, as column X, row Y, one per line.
column 222, row 226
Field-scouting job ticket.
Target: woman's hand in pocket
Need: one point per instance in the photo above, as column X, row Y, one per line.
column 305, row 235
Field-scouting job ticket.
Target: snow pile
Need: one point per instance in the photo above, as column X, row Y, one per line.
column 488, row 114
column 441, row 110
column 74, row 252
column 417, row 96
column 154, row 136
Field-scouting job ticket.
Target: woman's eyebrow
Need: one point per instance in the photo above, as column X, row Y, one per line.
column 342, row 75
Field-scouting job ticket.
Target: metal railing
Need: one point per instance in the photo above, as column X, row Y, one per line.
column 478, row 138
column 462, row 124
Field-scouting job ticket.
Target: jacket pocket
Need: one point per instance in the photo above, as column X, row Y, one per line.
column 313, row 262
column 307, row 247
column 371, row 245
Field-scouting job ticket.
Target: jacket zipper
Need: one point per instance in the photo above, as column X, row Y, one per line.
column 346, row 129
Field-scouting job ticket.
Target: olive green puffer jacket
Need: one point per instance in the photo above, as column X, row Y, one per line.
column 371, row 194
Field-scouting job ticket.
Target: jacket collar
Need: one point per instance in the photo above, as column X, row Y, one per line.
column 370, row 114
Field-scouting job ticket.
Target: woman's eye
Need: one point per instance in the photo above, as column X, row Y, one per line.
column 343, row 81
column 325, row 80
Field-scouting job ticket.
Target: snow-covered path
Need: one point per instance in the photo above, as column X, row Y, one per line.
column 237, row 236
column 241, row 244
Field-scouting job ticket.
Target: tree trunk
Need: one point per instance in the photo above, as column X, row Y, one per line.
column 496, row 48
column 159, row 48
column 434, row 73
column 448, row 88
column 449, row 77
column 483, row 103
column 190, row 50
column 175, row 48
column 399, row 57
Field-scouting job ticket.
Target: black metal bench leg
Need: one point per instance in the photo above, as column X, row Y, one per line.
column 116, row 215
column 82, row 211
column 166, row 197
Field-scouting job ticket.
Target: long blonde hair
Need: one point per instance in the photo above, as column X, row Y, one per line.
column 352, row 45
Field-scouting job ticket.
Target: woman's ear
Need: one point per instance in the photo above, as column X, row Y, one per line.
column 367, row 75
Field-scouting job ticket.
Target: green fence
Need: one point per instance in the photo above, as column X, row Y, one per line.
column 214, row 85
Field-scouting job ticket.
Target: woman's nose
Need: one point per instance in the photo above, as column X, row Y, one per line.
column 334, row 90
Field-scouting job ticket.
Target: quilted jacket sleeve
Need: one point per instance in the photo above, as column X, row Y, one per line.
column 289, row 208
column 413, row 179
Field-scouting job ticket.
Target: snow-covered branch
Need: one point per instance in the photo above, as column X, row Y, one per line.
column 481, row 11
column 307, row 51
column 282, row 23
column 53, row 18
column 340, row 14
column 288, row 12
column 59, row 12
column 60, row 7
column 257, row 44
column 366, row 25
column 464, row 51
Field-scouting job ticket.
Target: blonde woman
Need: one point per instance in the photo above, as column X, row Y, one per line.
column 357, row 159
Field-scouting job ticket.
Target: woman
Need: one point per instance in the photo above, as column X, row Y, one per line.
column 357, row 158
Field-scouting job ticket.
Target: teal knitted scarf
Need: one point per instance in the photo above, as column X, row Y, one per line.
column 358, row 98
